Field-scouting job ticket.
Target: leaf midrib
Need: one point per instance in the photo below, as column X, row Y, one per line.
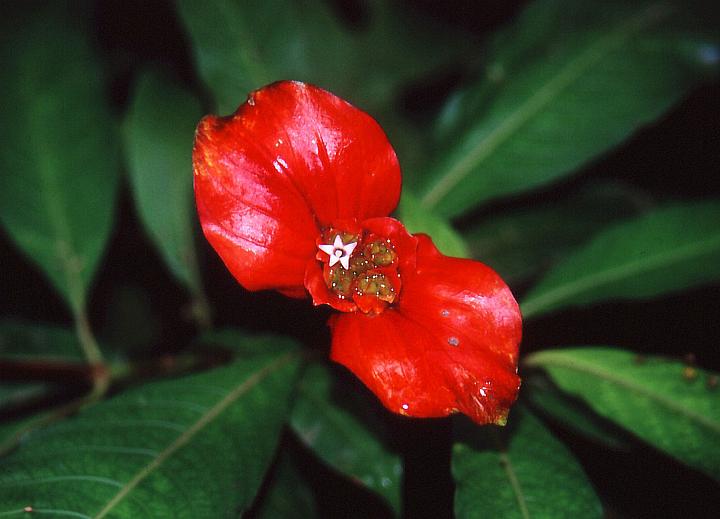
column 663, row 259
column 542, row 97
column 514, row 484
column 549, row 359
column 190, row 433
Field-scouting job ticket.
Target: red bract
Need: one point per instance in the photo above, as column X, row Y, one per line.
column 294, row 192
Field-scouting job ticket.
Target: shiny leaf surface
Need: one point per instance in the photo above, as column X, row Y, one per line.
column 548, row 400
column 525, row 242
column 521, row 471
column 665, row 250
column 564, row 84
column 667, row 404
column 326, row 420
column 142, row 453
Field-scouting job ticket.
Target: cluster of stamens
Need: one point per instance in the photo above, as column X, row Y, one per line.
column 361, row 267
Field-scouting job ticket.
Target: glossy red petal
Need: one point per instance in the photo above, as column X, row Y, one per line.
column 450, row 345
column 289, row 161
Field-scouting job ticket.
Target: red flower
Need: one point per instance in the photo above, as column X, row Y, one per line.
column 293, row 192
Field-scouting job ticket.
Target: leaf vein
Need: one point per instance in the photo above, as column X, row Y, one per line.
column 190, row 433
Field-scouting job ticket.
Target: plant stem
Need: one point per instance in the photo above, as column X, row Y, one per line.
column 93, row 355
column 89, row 345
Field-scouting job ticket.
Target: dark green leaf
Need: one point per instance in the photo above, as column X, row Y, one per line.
column 24, row 340
column 51, row 360
column 191, row 447
column 567, row 82
column 674, row 407
column 26, row 343
column 524, row 242
column 59, row 155
column 417, row 219
column 236, row 341
column 665, row 250
column 289, row 495
column 241, row 46
column 342, row 440
column 159, row 133
column 572, row 413
column 520, row 471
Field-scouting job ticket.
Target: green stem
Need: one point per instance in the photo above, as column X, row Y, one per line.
column 93, row 355
column 89, row 345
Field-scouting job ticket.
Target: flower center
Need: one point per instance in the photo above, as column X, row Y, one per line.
column 361, row 267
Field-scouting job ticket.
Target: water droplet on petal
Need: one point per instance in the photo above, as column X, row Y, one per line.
column 405, row 407
column 454, row 341
column 445, row 313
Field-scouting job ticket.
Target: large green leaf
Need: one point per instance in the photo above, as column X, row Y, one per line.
column 521, row 243
column 158, row 135
column 341, row 439
column 417, row 219
column 520, row 471
column 674, row 408
column 668, row 249
column 241, row 46
column 568, row 81
column 59, row 156
column 572, row 413
column 191, row 447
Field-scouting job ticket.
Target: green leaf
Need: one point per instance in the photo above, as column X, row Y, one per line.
column 24, row 343
column 521, row 243
column 42, row 346
column 519, row 471
column 668, row 249
column 59, row 155
column 417, row 219
column 667, row 404
column 325, row 424
column 564, row 84
column 572, row 413
column 289, row 495
column 158, row 134
column 25, row 340
column 191, row 447
column 241, row 46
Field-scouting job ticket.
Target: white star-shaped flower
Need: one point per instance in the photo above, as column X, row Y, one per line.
column 339, row 251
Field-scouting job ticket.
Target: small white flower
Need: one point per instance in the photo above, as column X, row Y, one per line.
column 339, row 251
